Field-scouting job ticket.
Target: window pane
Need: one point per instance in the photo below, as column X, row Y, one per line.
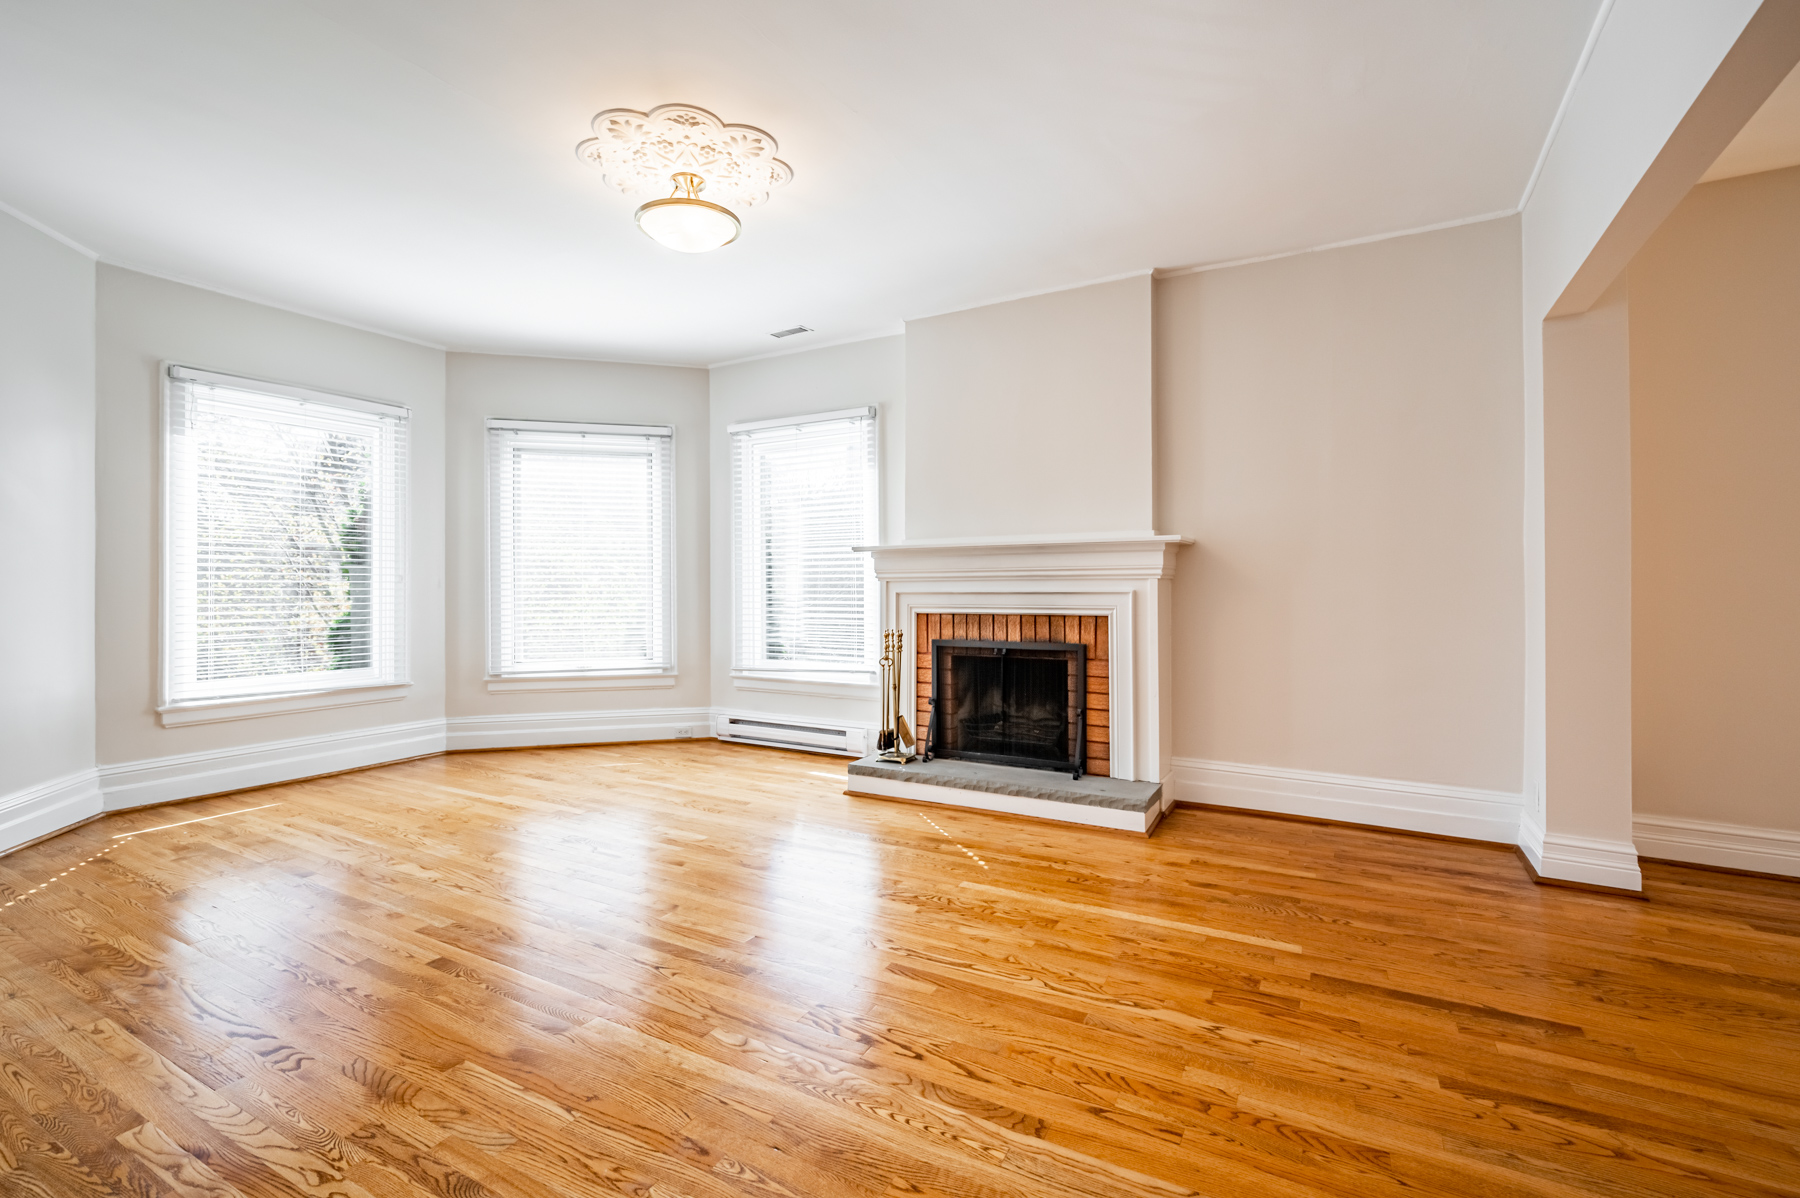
column 804, row 494
column 283, row 523
column 810, row 513
column 580, row 550
column 281, row 558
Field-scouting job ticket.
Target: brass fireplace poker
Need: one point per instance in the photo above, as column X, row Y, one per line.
column 895, row 740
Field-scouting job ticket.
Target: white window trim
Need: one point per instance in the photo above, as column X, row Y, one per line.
column 598, row 681
column 802, row 680
column 623, row 678
column 179, row 715
column 241, row 707
column 748, row 426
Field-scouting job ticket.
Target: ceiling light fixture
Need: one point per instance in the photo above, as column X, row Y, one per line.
column 686, row 222
column 690, row 149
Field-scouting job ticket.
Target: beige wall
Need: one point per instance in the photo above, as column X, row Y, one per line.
column 1032, row 416
column 1715, row 437
column 46, row 516
column 1339, row 432
column 1587, row 575
column 142, row 321
column 841, row 376
column 484, row 385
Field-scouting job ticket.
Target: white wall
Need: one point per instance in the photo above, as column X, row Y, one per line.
column 1339, row 432
column 1667, row 88
column 843, row 376
column 46, row 534
column 143, row 321
column 1715, row 568
column 1032, row 416
column 484, row 385
column 1651, row 64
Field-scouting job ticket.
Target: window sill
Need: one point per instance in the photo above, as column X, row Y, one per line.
column 827, row 686
column 583, row 682
column 177, row 715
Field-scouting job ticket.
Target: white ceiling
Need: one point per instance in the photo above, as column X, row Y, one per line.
column 409, row 165
column 1770, row 141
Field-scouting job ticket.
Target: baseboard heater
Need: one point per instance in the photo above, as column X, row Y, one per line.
column 786, row 734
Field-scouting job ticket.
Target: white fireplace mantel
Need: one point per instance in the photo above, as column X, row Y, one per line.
column 1124, row 577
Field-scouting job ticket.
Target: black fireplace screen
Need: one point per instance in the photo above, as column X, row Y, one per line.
column 1009, row 702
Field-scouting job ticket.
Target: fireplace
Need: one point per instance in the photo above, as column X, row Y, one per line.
column 1020, row 703
column 1024, row 631
column 1109, row 595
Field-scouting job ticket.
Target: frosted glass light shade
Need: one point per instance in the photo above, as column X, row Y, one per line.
column 689, row 225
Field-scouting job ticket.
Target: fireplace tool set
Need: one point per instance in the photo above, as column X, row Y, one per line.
column 895, row 740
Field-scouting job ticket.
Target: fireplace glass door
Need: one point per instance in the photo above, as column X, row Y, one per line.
column 1010, row 703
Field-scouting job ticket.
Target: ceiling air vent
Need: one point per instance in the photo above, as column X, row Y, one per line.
column 799, row 328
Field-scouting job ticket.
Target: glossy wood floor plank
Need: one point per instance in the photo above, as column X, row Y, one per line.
column 697, row 969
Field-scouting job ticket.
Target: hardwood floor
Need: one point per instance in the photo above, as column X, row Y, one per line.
column 696, row 969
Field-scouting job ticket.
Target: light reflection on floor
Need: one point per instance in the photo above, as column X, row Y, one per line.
column 576, row 867
column 821, row 887
column 121, row 839
column 24, row 895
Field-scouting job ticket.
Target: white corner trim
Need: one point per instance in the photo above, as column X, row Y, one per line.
column 1472, row 814
column 179, row 715
column 531, row 729
column 1021, row 295
column 1568, row 98
column 184, row 776
column 588, row 682
column 1562, row 858
column 852, row 339
column 49, row 807
column 1175, row 272
column 47, row 231
column 1531, row 839
column 1611, row 863
column 252, row 298
column 801, row 684
column 1732, row 846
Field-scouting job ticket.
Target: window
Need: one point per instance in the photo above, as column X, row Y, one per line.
column 581, row 519
column 283, row 540
column 804, row 492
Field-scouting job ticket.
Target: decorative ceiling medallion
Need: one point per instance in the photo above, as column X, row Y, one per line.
column 641, row 152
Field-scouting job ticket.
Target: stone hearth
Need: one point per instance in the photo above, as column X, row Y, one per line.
column 1100, row 802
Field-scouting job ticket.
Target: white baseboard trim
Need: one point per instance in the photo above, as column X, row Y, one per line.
column 1531, row 840
column 978, row 800
column 1410, row 806
column 527, row 729
column 47, row 808
column 1558, row 857
column 1612, row 863
column 42, row 810
column 1733, row 846
column 165, row 779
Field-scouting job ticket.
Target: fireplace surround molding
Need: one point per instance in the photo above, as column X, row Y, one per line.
column 1126, row 578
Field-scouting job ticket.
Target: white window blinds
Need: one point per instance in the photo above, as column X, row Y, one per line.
column 284, row 522
column 803, row 492
column 581, row 540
